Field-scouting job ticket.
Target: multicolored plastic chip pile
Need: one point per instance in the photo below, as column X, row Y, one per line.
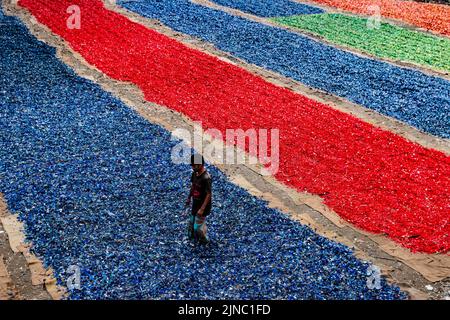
column 413, row 97
column 430, row 16
column 96, row 188
column 371, row 177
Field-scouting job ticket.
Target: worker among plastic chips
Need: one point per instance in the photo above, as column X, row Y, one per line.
column 201, row 195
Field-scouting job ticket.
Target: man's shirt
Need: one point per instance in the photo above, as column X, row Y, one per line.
column 201, row 186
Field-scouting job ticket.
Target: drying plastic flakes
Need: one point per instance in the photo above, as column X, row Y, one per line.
column 413, row 97
column 430, row 16
column 387, row 41
column 373, row 178
column 96, row 188
column 270, row 8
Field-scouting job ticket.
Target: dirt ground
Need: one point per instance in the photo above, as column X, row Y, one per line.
column 422, row 276
column 15, row 275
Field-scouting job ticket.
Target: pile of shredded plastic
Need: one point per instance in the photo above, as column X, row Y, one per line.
column 430, row 16
column 407, row 95
column 270, row 8
column 385, row 41
column 96, row 188
column 373, row 178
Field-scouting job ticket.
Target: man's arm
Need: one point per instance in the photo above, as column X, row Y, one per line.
column 205, row 203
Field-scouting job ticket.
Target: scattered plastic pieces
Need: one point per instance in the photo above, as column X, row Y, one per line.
column 372, row 178
column 71, row 155
column 410, row 96
column 270, row 8
column 386, row 41
column 430, row 16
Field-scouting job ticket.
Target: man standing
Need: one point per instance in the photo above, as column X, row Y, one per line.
column 201, row 194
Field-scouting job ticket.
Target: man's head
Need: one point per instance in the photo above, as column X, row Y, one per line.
column 197, row 162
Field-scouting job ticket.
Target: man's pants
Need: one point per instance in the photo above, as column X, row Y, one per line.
column 198, row 229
